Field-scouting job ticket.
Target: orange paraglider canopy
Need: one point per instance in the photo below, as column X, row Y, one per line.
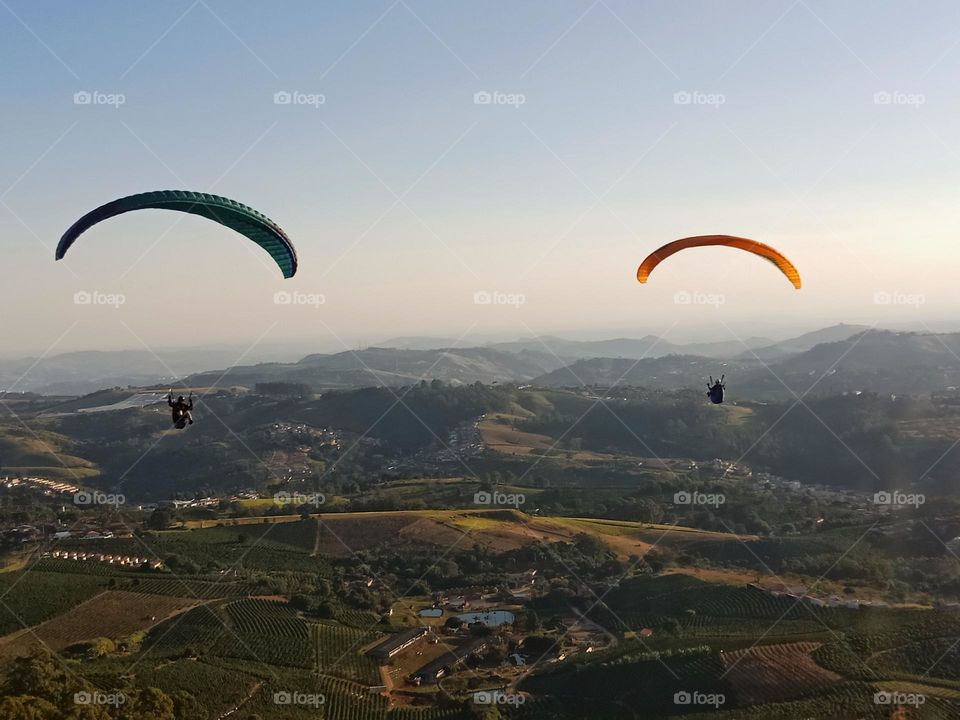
column 752, row 246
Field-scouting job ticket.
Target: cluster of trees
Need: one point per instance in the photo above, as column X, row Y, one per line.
column 46, row 687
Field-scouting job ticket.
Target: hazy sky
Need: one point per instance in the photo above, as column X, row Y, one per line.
column 826, row 129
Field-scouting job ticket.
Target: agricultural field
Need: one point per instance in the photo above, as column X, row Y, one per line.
column 611, row 688
column 269, row 607
column 302, row 545
column 919, row 657
column 220, row 689
column 682, row 595
column 188, row 635
column 634, row 538
column 774, row 673
column 432, row 492
column 906, row 644
column 30, row 597
column 116, row 615
column 268, row 617
column 41, row 453
column 500, row 435
column 190, row 587
column 339, row 653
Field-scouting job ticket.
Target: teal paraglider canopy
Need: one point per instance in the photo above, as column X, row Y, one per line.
column 245, row 220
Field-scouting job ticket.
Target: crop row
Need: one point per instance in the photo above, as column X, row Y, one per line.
column 266, row 617
column 338, row 653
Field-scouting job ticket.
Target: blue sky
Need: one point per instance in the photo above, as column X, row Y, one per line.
column 826, row 129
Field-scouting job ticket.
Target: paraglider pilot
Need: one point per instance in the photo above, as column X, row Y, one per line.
column 715, row 390
column 181, row 410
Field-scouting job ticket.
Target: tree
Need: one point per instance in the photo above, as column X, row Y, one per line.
column 160, row 519
column 102, row 646
column 27, row 708
column 39, row 675
column 187, row 707
column 149, row 704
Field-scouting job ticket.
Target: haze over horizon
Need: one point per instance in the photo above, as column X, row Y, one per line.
column 611, row 129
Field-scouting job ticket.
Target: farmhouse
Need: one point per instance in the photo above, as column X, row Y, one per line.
column 448, row 662
column 526, row 577
column 397, row 643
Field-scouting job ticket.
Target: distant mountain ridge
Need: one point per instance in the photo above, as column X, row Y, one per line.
column 868, row 361
column 851, row 357
column 391, row 367
column 649, row 346
column 807, row 341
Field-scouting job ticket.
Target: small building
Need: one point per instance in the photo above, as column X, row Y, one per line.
column 450, row 661
column 397, row 643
